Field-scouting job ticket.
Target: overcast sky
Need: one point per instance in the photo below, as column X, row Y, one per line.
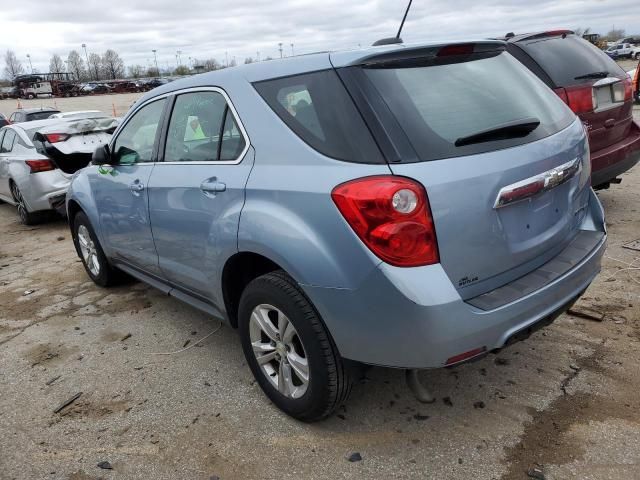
column 209, row 28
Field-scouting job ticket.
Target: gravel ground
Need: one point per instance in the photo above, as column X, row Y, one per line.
column 566, row 399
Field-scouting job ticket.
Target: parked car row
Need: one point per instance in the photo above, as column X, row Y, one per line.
column 408, row 206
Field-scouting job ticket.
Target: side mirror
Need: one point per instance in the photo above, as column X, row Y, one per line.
column 101, row 156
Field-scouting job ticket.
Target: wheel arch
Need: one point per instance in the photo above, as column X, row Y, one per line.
column 239, row 270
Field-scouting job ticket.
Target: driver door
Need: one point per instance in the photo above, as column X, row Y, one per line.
column 120, row 190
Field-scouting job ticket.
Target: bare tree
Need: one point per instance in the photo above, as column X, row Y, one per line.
column 181, row 70
column 136, row 71
column 76, row 65
column 95, row 66
column 56, row 65
column 211, row 64
column 12, row 66
column 248, row 60
column 112, row 65
column 153, row 72
column 615, row 34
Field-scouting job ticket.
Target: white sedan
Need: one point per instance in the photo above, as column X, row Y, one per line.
column 38, row 159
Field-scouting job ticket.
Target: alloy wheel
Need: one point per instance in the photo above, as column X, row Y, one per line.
column 279, row 351
column 22, row 208
column 88, row 251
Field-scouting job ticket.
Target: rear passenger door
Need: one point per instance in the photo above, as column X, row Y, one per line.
column 7, row 139
column 197, row 192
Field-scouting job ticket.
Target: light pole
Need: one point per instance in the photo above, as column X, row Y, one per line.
column 179, row 52
column 30, row 64
column 155, row 57
column 292, row 54
column 226, row 56
column 86, row 55
column 280, row 48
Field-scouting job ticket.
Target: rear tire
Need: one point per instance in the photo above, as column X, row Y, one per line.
column 294, row 341
column 26, row 217
column 93, row 258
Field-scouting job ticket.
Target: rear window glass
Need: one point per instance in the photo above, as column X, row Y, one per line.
column 564, row 59
column 318, row 109
column 40, row 115
column 436, row 105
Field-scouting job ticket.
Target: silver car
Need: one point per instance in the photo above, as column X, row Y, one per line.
column 37, row 160
column 403, row 206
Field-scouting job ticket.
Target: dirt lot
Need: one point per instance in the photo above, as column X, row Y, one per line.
column 566, row 399
column 105, row 103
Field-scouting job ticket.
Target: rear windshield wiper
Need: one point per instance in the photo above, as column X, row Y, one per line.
column 514, row 129
column 592, row 75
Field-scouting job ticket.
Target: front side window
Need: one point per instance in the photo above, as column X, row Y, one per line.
column 136, row 140
column 203, row 129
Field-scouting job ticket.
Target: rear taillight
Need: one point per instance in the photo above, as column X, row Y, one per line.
column 391, row 215
column 628, row 88
column 581, row 99
column 56, row 137
column 463, row 49
column 40, row 165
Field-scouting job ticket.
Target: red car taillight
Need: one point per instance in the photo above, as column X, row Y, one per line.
column 40, row 165
column 56, row 137
column 628, row 89
column 581, row 99
column 391, row 215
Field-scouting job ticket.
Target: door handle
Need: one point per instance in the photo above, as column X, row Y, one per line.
column 212, row 186
column 136, row 187
column 611, row 122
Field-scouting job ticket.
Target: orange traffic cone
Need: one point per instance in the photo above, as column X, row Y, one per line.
column 19, row 105
column 114, row 109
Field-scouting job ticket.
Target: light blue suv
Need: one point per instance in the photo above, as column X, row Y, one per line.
column 403, row 206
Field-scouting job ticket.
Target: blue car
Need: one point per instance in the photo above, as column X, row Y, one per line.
column 403, row 206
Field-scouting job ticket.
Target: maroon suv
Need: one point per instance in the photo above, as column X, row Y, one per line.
column 595, row 88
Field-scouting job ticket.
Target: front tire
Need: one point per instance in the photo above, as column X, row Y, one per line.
column 289, row 350
column 93, row 258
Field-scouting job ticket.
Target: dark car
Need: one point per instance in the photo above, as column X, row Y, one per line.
column 594, row 87
column 31, row 114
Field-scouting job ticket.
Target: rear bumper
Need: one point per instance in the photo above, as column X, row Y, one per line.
column 43, row 190
column 616, row 159
column 415, row 318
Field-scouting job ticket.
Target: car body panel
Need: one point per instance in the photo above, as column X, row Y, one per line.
column 462, row 192
column 194, row 231
column 124, row 212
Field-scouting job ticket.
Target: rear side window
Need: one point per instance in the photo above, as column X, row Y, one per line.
column 566, row 59
column 7, row 141
column 437, row 105
column 319, row 110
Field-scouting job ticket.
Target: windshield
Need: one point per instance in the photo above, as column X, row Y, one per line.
column 437, row 105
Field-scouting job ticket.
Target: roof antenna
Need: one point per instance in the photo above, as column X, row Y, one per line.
column 396, row 39
column 406, row 12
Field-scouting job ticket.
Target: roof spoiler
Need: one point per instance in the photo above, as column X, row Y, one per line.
column 459, row 51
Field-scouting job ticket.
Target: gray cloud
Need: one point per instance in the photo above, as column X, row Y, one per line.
column 209, row 28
